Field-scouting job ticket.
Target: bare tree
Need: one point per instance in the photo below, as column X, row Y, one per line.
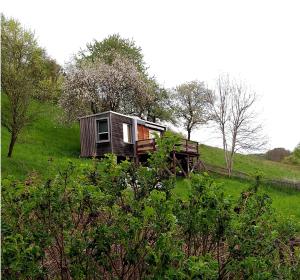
column 191, row 105
column 232, row 110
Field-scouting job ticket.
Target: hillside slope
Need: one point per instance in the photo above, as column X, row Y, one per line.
column 44, row 141
column 48, row 140
column 46, row 144
column 250, row 164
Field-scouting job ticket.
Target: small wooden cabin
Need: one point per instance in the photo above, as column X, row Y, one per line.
column 111, row 132
column 130, row 137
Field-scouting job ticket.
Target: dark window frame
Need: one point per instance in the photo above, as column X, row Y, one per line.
column 98, row 133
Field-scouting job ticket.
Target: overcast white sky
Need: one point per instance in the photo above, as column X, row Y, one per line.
column 257, row 41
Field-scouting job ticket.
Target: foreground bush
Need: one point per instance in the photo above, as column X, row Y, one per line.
column 119, row 221
column 294, row 158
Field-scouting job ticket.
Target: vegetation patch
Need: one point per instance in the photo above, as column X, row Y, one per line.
column 110, row 220
column 44, row 142
column 251, row 164
column 284, row 201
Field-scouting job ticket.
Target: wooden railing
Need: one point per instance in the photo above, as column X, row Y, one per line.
column 145, row 146
column 149, row 145
column 188, row 146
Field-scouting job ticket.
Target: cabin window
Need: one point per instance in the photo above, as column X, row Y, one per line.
column 152, row 133
column 102, row 130
column 127, row 135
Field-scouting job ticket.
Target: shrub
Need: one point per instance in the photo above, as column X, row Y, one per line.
column 120, row 221
column 294, row 158
column 277, row 154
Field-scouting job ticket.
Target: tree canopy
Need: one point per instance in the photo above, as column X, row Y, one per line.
column 111, row 75
column 96, row 86
column 294, row 158
column 113, row 47
column 190, row 104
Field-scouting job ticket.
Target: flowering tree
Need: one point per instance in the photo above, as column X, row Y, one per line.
column 95, row 86
column 111, row 75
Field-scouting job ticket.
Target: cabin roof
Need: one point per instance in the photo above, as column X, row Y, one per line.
column 139, row 120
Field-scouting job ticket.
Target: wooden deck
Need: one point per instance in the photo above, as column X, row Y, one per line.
column 186, row 147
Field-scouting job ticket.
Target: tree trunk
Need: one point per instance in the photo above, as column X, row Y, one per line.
column 93, row 108
column 13, row 140
column 229, row 167
column 227, row 160
column 189, row 134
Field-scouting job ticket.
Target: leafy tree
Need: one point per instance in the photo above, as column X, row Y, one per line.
column 26, row 73
column 296, row 151
column 190, row 103
column 112, row 48
column 50, row 78
column 158, row 105
column 294, row 158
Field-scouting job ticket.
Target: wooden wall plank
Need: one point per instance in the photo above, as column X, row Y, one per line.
column 87, row 137
column 89, row 147
column 119, row 147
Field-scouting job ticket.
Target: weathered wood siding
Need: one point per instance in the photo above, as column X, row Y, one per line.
column 87, row 137
column 103, row 148
column 88, row 140
column 143, row 132
column 119, row 147
column 116, row 145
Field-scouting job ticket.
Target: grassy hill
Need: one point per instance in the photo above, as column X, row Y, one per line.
column 46, row 141
column 250, row 164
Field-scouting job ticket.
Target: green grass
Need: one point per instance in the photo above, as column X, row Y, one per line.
column 44, row 141
column 286, row 202
column 250, row 164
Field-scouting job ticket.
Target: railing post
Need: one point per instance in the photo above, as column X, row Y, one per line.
column 174, row 165
column 136, row 153
column 188, row 165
